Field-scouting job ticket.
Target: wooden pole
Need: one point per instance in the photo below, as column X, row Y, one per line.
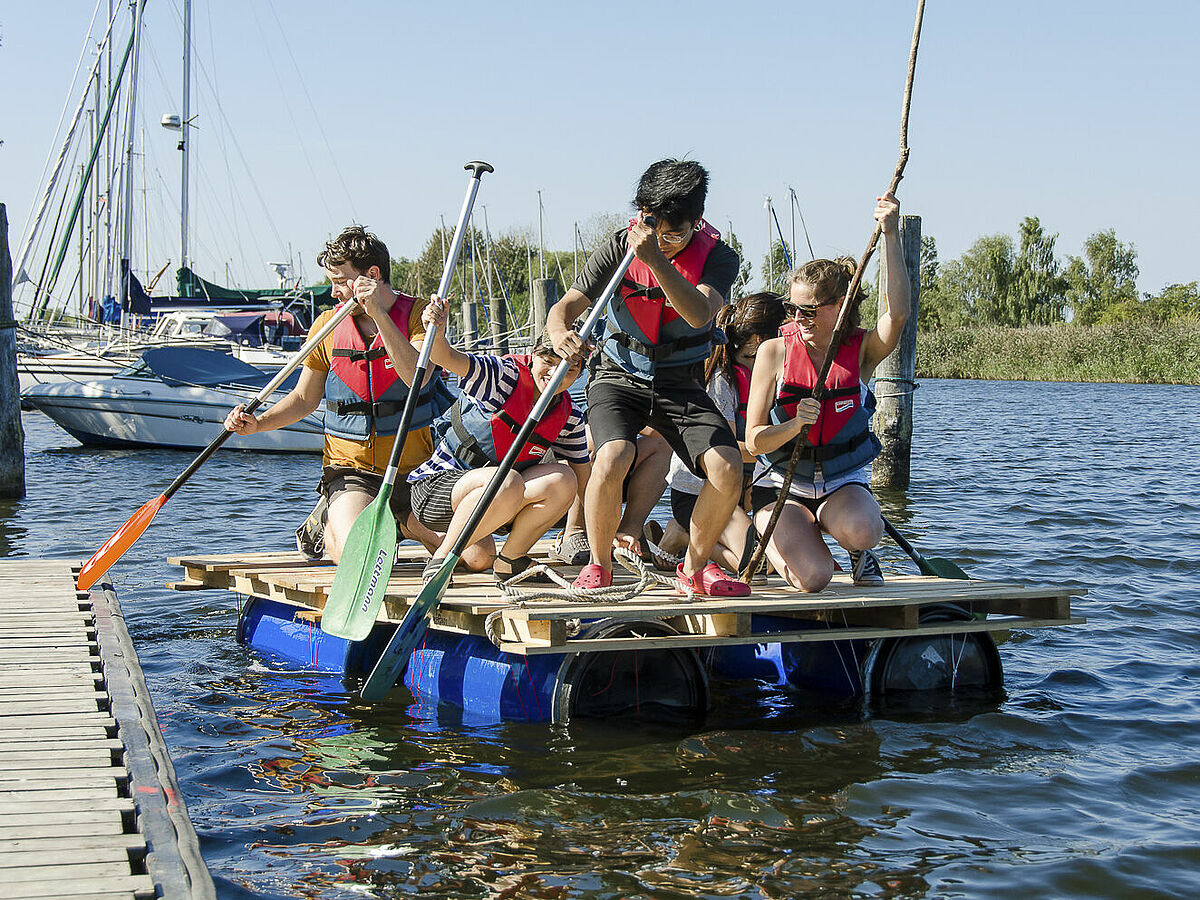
column 545, row 295
column 895, row 378
column 12, row 438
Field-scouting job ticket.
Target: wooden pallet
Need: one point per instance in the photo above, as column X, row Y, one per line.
column 842, row 611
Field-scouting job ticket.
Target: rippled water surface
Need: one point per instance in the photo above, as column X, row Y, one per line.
column 1082, row 781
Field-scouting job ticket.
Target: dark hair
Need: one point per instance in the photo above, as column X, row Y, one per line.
column 361, row 249
column 673, row 190
column 829, row 279
column 755, row 314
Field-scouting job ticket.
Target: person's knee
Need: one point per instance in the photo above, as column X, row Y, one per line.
column 561, row 489
column 723, row 467
column 613, row 460
column 860, row 532
column 810, row 576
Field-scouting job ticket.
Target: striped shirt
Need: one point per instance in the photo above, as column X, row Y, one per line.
column 489, row 382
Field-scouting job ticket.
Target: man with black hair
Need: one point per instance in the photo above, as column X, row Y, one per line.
column 657, row 333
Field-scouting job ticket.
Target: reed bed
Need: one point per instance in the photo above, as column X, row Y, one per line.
column 1127, row 353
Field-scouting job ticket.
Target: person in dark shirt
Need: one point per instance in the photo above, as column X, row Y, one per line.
column 657, row 333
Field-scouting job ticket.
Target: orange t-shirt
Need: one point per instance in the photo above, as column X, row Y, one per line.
column 371, row 455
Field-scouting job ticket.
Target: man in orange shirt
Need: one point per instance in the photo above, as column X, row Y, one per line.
column 362, row 370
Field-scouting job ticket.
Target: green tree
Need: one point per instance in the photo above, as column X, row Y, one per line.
column 775, row 267
column 741, row 284
column 1106, row 277
column 937, row 307
column 1037, row 290
column 1176, row 301
column 979, row 280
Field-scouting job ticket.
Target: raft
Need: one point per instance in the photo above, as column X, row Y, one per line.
column 506, row 659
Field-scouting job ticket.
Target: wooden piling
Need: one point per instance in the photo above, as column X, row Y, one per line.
column 12, row 438
column 470, row 320
column 895, row 378
column 545, row 295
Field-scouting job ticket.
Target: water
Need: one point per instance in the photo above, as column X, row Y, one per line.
column 1083, row 781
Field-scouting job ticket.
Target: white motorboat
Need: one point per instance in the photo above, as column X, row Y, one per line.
column 173, row 397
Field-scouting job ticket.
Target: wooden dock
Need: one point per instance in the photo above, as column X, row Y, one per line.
column 475, row 605
column 89, row 805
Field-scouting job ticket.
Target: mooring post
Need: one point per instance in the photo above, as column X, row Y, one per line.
column 470, row 319
column 498, row 316
column 12, row 438
column 545, row 295
column 895, row 378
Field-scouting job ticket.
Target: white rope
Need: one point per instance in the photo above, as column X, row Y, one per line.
column 616, row 593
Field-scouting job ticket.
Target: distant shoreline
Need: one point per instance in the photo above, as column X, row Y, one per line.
column 1128, row 353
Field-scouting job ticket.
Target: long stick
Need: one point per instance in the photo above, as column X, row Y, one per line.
column 125, row 536
column 395, row 656
column 370, row 546
column 845, row 316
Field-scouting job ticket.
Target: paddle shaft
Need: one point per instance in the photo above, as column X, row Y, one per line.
column 261, row 397
column 477, row 168
column 539, row 409
column 850, row 303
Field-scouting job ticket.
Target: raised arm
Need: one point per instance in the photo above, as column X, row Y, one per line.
column 695, row 305
column 883, row 338
column 440, row 351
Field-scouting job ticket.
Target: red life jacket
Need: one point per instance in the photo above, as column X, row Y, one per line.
column 481, row 440
column 640, row 290
column 368, row 381
column 743, row 399
column 841, row 439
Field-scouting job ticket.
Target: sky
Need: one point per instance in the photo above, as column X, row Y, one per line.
column 310, row 116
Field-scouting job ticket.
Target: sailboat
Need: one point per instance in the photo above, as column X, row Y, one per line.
column 109, row 334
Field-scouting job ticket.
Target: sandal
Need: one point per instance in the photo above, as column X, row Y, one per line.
column 571, row 551
column 591, row 577
column 652, row 551
column 710, row 581
column 516, row 567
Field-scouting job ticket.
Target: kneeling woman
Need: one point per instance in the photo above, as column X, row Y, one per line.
column 830, row 489
column 498, row 394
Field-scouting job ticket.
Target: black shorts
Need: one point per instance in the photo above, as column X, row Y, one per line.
column 682, row 505
column 432, row 499
column 762, row 495
column 336, row 479
column 675, row 404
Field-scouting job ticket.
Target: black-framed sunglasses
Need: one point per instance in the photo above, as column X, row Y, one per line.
column 798, row 311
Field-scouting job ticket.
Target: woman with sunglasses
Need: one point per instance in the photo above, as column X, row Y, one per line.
column 830, row 489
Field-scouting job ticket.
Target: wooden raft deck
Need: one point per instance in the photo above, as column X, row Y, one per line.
column 549, row 626
column 89, row 805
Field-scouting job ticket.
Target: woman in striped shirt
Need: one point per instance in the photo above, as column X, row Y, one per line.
column 498, row 393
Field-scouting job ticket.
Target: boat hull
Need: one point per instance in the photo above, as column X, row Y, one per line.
column 133, row 412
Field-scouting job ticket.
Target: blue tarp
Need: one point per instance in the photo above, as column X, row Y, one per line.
column 205, row 368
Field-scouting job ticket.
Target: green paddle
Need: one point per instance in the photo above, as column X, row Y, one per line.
column 366, row 564
column 936, row 566
column 395, row 656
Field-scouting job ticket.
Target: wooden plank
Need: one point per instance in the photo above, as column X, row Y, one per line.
column 65, row 855
column 53, row 807
column 101, row 719
column 594, row 645
column 43, row 782
column 62, row 870
column 112, row 825
column 22, row 761
column 81, row 819
column 55, row 706
column 130, row 843
column 59, row 745
column 65, row 795
column 108, row 888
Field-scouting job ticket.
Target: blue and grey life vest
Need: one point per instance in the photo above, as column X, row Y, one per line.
column 642, row 333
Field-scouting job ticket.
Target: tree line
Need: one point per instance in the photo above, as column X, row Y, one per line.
column 996, row 281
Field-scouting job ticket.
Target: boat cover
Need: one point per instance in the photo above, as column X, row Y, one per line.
column 205, row 368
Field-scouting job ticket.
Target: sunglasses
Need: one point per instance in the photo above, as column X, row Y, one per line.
column 797, row 311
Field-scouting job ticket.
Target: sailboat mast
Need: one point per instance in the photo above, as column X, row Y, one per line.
column 184, row 135
column 130, row 136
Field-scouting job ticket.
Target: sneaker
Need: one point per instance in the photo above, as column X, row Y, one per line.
column 711, row 581
column 864, row 568
column 573, row 551
column 431, row 569
column 310, row 536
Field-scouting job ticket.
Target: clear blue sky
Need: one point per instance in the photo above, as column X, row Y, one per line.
column 1085, row 115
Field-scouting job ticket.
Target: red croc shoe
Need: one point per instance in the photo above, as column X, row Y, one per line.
column 710, row 581
column 591, row 577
